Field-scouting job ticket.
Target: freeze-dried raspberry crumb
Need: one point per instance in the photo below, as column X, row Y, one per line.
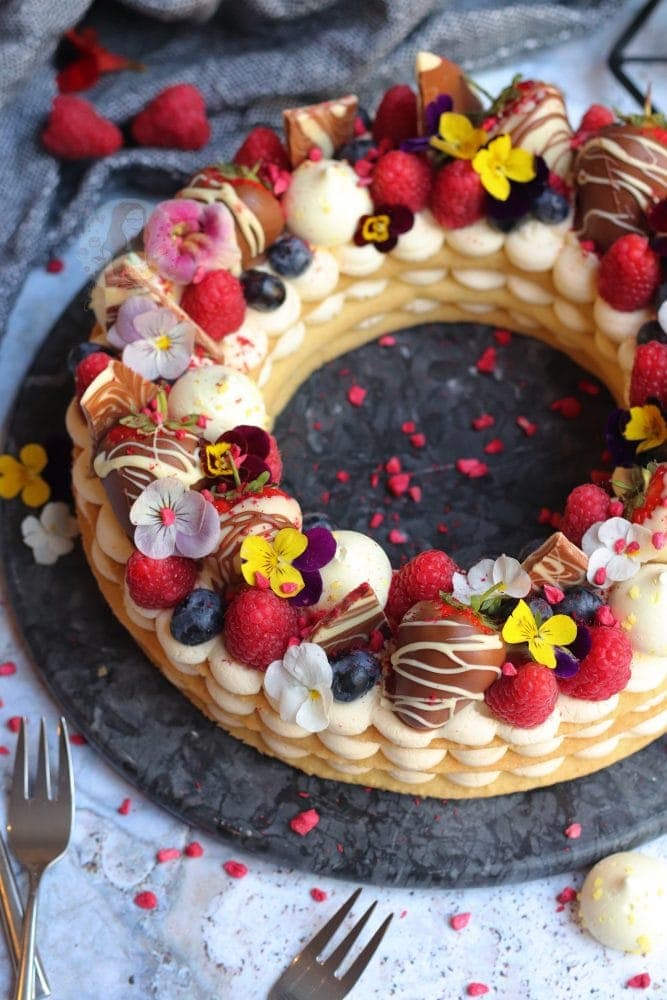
column 388, row 340
column 375, row 520
column 14, row 724
column 397, row 537
column 415, row 494
column 502, row 337
column 494, row 447
column 319, row 895
column 124, row 807
column 304, row 821
column 408, row 427
column 573, row 831
column 356, row 395
column 235, row 869
column 483, row 421
column 193, row 850
column 459, row 920
column 641, row 981
column 486, row 363
column 7, row 668
column 398, row 484
column 527, row 426
column 392, row 465
column 472, row 467
column 4, row 750
column 590, row 388
column 417, row 440
column 146, row 900
column 477, row 989
column 568, row 407
column 54, row 266
column 343, row 476
column 77, row 740
column 167, row 854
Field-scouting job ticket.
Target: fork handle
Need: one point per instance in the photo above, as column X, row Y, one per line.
column 25, row 983
column 11, row 911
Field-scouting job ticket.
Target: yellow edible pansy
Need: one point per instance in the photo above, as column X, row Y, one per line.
column 269, row 563
column 498, row 164
column 520, row 627
column 23, row 476
column 457, row 136
column 647, row 425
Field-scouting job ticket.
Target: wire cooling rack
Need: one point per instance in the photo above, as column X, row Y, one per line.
column 638, row 59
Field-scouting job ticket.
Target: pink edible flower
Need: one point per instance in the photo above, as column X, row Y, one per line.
column 185, row 239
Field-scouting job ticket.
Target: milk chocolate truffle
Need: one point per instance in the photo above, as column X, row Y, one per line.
column 620, row 172
column 258, row 215
column 442, row 661
column 128, row 460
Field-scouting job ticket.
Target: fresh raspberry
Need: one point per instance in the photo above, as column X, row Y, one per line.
column 216, row 303
column 396, row 117
column 258, row 627
column 524, row 699
column 175, row 119
column 605, row 670
column 88, row 370
column 457, row 197
column 397, row 600
column 597, row 117
column 159, row 583
column 262, row 146
column 656, row 132
column 629, row 273
column 584, row 506
column 426, row 575
column 649, row 374
column 75, row 131
column 401, row 179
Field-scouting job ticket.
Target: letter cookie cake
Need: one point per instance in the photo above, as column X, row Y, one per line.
column 432, row 678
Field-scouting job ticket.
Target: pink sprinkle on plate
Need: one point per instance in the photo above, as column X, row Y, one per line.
column 304, row 821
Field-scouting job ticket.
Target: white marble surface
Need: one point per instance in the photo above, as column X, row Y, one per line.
column 212, row 935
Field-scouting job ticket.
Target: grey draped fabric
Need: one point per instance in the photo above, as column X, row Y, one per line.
column 250, row 58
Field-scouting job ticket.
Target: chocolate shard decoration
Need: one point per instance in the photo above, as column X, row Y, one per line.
column 436, row 76
column 124, row 277
column 558, row 561
column 325, row 126
column 440, row 664
column 116, row 392
column 620, row 172
column 350, row 623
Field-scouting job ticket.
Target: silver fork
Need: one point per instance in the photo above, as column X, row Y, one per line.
column 39, row 831
column 308, row 977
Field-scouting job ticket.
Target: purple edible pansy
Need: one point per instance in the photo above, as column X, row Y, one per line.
column 440, row 106
column 185, row 239
column 522, row 196
column 244, row 460
column 383, row 227
column 568, row 660
column 622, row 451
column 172, row 520
column 320, row 550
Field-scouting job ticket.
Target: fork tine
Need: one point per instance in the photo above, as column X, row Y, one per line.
column 43, row 775
column 323, row 936
column 339, row 953
column 361, row 961
column 20, row 780
column 65, row 780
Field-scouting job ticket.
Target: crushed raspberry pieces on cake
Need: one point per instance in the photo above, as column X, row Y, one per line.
column 146, row 900
column 159, row 583
column 75, row 130
column 174, row 119
column 649, row 374
column 304, row 821
column 258, row 627
column 526, row 699
column 629, row 273
column 457, row 197
column 235, row 869
column 459, row 920
column 401, row 179
column 396, row 116
column 584, row 506
column 216, row 303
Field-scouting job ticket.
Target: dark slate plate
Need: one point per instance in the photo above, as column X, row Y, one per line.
column 151, row 734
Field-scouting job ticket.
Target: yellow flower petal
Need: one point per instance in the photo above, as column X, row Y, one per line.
column 257, row 556
column 457, row 136
column 542, row 652
column 286, row 581
column 491, row 174
column 36, row 492
column 12, row 477
column 289, row 544
column 34, row 457
column 520, row 626
column 646, row 424
column 559, row 630
column 520, row 165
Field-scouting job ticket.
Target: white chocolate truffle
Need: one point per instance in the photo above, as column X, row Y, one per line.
column 359, row 559
column 324, row 202
column 640, row 605
column 623, row 902
column 224, row 396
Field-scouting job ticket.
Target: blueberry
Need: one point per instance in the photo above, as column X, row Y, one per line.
column 651, row 331
column 580, row 603
column 551, row 207
column 84, row 350
column 355, row 149
column 354, row 674
column 540, row 608
column 316, row 520
column 263, row 291
column 198, row 617
column 289, row 255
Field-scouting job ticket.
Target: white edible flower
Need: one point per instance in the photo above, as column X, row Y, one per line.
column 503, row 576
column 51, row 534
column 300, row 684
column 616, row 548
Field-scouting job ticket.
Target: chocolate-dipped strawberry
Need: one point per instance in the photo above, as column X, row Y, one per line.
column 137, row 451
column 619, row 173
column 533, row 114
column 258, row 215
column 445, row 657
